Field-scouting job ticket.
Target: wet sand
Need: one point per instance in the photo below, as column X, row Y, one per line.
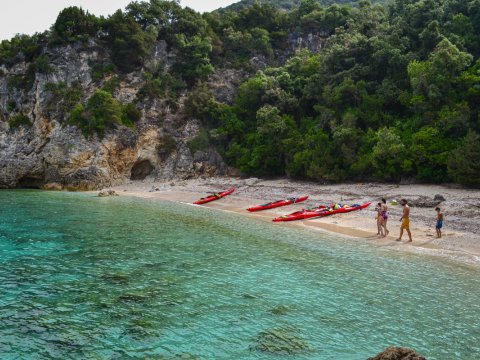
column 461, row 233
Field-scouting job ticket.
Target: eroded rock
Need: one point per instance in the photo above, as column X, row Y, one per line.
column 107, row 193
column 398, row 353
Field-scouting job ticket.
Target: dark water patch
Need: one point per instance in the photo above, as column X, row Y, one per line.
column 281, row 341
column 280, row 310
column 117, row 279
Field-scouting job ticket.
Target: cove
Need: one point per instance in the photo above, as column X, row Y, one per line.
column 121, row 278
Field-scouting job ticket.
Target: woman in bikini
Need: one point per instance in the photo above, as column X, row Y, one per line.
column 384, row 214
column 379, row 219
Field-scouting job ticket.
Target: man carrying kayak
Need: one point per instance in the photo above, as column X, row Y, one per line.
column 405, row 219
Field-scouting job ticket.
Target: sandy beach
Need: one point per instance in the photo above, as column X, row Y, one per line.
column 461, row 208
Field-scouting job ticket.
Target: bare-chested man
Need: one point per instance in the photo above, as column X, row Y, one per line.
column 405, row 219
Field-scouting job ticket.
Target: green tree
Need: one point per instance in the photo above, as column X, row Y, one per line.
column 129, row 44
column 101, row 112
column 74, row 24
column 193, row 61
column 464, row 163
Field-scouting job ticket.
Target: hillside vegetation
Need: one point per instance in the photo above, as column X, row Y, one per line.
column 393, row 94
column 289, row 4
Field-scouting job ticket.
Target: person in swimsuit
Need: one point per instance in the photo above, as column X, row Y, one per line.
column 384, row 214
column 439, row 225
column 379, row 219
column 405, row 219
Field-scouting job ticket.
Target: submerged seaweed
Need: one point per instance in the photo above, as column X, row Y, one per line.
column 118, row 279
column 281, row 341
column 279, row 310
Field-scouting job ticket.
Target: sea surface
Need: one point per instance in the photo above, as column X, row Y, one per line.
column 83, row 277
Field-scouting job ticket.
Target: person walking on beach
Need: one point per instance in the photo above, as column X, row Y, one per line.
column 439, row 225
column 405, row 219
column 384, row 214
column 379, row 219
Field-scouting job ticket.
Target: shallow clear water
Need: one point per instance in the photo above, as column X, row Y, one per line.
column 85, row 277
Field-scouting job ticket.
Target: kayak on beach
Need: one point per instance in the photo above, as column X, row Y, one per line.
column 299, row 215
column 278, row 203
column 214, row 197
column 321, row 212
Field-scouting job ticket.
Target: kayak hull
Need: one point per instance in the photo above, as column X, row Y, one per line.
column 320, row 213
column 278, row 203
column 299, row 215
column 214, row 197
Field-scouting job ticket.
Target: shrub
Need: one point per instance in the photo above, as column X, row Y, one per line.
column 74, row 24
column 11, row 105
column 111, row 85
column 199, row 142
column 100, row 70
column 100, row 113
column 63, row 97
column 19, row 120
column 166, row 146
column 464, row 163
column 129, row 44
column 42, row 65
column 130, row 114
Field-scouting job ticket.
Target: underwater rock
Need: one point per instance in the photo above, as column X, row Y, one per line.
column 131, row 297
column 280, row 341
column 249, row 296
column 106, row 193
column 398, row 353
column 279, row 310
column 119, row 279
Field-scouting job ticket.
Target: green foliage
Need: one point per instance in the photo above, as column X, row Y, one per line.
column 100, row 70
column 63, row 97
column 193, row 62
column 130, row 114
column 74, row 24
column 21, row 47
column 153, row 88
column 42, row 65
column 391, row 93
column 464, row 162
column 23, row 81
column 101, row 113
column 19, row 120
column 166, row 146
column 11, row 105
column 111, row 85
column 129, row 44
column 199, row 142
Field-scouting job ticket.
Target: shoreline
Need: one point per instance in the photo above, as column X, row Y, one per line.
column 457, row 239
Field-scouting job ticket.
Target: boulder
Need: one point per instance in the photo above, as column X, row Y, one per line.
column 398, row 353
column 424, row 202
column 439, row 197
column 106, row 193
column 53, row 187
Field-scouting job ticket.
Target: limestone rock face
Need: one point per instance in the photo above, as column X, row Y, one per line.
column 54, row 155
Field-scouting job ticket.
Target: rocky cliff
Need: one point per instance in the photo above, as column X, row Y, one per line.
column 51, row 153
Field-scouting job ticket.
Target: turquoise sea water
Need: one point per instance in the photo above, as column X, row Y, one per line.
column 89, row 278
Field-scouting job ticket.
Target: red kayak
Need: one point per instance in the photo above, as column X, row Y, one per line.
column 309, row 214
column 299, row 215
column 214, row 197
column 278, row 203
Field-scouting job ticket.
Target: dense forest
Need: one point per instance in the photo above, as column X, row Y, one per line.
column 394, row 94
column 289, row 4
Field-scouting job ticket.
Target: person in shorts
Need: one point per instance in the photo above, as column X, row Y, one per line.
column 405, row 219
column 439, row 224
